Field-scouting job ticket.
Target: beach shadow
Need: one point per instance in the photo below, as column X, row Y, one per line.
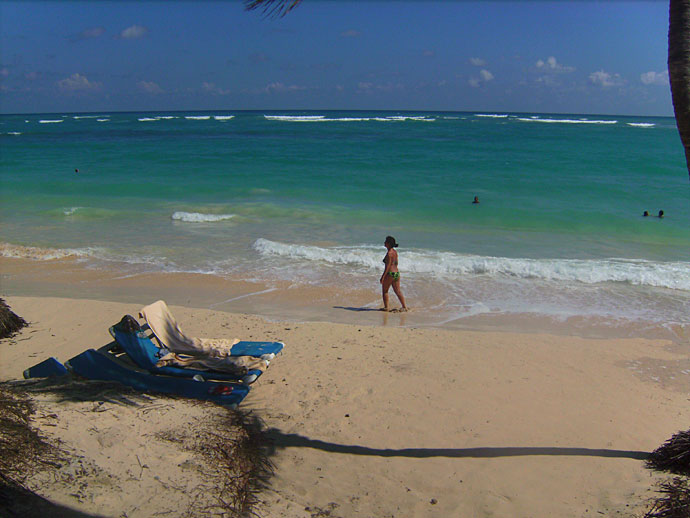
column 350, row 308
column 68, row 388
column 283, row 440
column 17, row 501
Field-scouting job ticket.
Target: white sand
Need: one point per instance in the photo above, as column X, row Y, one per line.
column 386, row 421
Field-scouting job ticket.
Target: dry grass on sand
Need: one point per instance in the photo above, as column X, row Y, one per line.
column 80, row 448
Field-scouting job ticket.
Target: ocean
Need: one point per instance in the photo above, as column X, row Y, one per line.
column 306, row 199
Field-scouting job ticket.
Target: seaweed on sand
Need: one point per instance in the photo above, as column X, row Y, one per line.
column 22, row 449
column 22, row 452
column 675, row 502
column 10, row 323
column 232, row 445
column 673, row 456
column 235, row 446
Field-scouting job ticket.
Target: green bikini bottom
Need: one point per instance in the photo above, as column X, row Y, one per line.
column 395, row 275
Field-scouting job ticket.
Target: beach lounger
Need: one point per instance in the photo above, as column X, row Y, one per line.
column 97, row 365
column 145, row 354
column 169, row 334
column 46, row 369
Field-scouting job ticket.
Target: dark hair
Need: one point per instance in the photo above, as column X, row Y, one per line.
column 391, row 240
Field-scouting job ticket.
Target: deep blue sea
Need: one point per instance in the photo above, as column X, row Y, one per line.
column 309, row 197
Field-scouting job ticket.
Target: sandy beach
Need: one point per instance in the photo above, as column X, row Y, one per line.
column 388, row 420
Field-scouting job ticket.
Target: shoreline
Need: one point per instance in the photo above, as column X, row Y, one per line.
column 285, row 301
column 381, row 420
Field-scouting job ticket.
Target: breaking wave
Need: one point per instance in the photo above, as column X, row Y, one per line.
column 323, row 118
column 196, row 217
column 566, row 121
column 673, row 275
column 42, row 254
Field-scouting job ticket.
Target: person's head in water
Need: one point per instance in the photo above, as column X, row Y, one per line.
column 390, row 242
column 645, row 214
column 661, row 213
column 476, row 199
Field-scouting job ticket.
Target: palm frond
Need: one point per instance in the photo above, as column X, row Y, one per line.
column 272, row 8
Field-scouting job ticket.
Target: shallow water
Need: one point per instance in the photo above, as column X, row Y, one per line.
column 308, row 198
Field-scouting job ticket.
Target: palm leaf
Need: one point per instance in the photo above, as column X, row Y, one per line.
column 272, row 8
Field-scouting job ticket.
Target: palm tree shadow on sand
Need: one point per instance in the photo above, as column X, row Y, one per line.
column 282, row 440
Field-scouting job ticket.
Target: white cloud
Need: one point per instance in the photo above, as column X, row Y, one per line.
column 150, row 87
column 366, row 87
column 213, row 89
column 484, row 77
column 134, row 32
column 77, row 82
column 552, row 64
column 604, row 79
column 88, row 34
column 478, row 62
column 281, row 88
column 655, row 78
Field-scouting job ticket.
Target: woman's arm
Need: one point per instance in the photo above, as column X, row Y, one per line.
column 388, row 266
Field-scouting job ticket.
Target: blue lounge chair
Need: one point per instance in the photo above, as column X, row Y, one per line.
column 145, row 354
column 97, row 365
column 46, row 369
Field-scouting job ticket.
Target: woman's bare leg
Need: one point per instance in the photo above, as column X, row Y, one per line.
column 398, row 292
column 385, row 286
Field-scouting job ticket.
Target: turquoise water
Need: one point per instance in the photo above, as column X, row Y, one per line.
column 308, row 197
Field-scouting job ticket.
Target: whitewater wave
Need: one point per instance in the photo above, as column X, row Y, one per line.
column 196, row 217
column 70, row 211
column 566, row 121
column 641, row 124
column 223, row 117
column 673, row 275
column 148, row 119
column 323, row 118
column 198, row 117
column 102, row 120
column 42, row 254
column 491, row 115
column 50, row 121
column 14, row 133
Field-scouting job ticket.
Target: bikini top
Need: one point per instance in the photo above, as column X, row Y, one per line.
column 385, row 260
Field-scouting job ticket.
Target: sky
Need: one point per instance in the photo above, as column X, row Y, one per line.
column 587, row 57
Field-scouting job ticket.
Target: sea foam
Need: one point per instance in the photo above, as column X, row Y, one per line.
column 196, row 217
column 50, row 121
column 673, row 275
column 42, row 254
column 566, row 121
column 323, row 118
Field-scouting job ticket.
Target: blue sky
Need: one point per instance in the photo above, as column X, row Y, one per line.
column 551, row 57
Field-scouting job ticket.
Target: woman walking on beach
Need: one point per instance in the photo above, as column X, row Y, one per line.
column 391, row 275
